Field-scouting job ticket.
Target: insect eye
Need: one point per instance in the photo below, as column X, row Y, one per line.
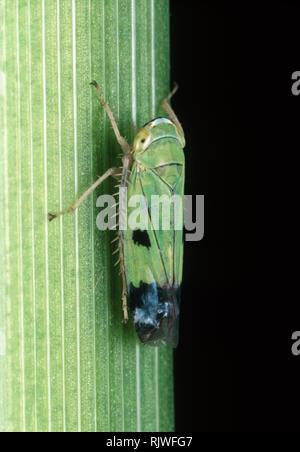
column 141, row 140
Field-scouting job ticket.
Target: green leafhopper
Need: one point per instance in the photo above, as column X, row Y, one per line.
column 150, row 258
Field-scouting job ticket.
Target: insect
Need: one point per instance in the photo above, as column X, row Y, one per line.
column 150, row 259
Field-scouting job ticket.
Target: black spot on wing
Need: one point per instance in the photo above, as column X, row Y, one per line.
column 141, row 238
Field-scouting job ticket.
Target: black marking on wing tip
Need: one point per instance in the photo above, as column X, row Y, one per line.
column 141, row 238
column 155, row 313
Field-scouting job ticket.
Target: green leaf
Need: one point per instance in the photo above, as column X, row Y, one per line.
column 67, row 363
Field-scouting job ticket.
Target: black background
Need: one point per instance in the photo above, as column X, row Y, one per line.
column 234, row 370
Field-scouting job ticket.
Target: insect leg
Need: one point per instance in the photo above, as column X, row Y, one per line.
column 108, row 173
column 167, row 107
column 124, row 291
column 121, row 140
column 125, row 171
